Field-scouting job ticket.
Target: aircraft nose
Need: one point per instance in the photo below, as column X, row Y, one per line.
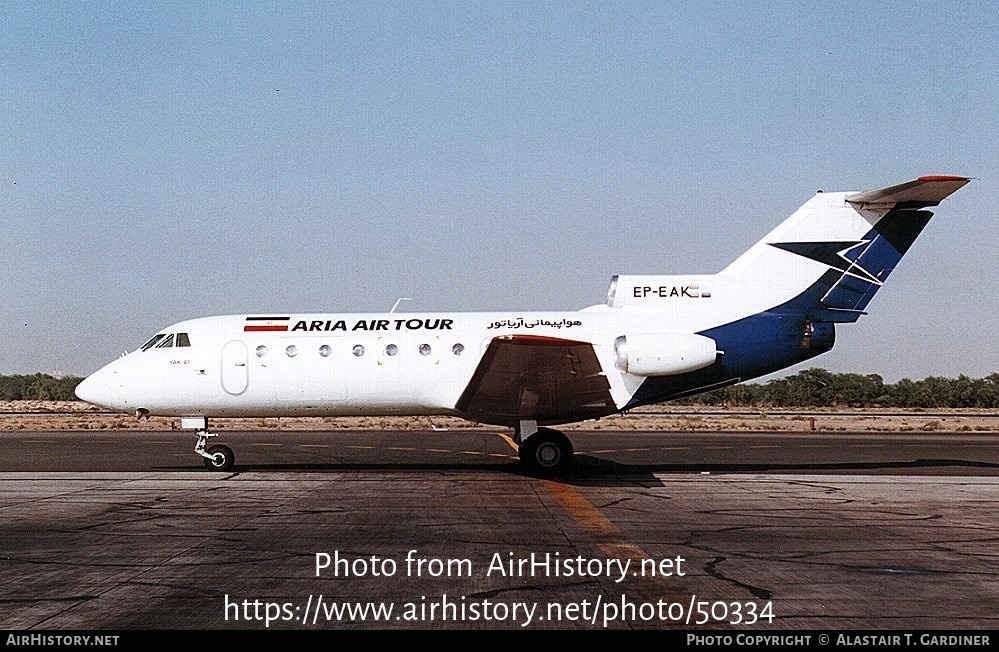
column 97, row 389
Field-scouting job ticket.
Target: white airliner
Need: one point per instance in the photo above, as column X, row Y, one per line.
column 656, row 338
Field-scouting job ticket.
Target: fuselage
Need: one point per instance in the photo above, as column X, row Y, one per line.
column 398, row 363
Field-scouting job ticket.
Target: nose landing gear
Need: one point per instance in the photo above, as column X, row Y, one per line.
column 219, row 458
column 216, row 458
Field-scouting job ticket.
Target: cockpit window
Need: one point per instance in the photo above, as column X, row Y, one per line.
column 166, row 344
column 183, row 339
column 152, row 341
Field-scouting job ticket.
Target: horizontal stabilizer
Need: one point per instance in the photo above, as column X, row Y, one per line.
column 924, row 191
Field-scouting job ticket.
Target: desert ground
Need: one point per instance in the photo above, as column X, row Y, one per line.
column 76, row 415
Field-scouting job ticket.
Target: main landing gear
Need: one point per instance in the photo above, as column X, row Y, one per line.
column 216, row 458
column 544, row 452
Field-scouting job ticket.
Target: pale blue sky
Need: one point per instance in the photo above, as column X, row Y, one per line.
column 162, row 161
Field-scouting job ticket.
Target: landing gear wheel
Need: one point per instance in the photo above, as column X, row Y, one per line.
column 546, row 453
column 222, row 458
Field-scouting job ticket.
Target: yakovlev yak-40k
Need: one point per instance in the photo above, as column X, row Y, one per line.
column 657, row 338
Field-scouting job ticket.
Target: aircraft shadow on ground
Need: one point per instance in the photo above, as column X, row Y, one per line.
column 587, row 469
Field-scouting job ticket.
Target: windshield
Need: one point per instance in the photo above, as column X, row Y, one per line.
column 152, row 342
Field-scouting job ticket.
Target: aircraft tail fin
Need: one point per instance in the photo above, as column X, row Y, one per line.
column 848, row 241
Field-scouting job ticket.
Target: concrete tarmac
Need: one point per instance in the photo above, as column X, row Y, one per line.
column 384, row 530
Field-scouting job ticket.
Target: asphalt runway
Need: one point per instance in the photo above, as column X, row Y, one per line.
column 424, row 529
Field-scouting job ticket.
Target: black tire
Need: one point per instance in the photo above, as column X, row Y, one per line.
column 222, row 458
column 546, row 453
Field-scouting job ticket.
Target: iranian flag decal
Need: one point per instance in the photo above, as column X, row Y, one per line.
column 265, row 324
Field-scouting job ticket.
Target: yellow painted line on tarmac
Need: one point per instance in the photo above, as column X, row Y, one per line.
column 438, row 450
column 361, row 447
column 589, row 517
column 509, row 440
column 624, row 551
column 610, row 540
column 314, row 445
column 263, row 444
column 606, row 450
column 472, row 452
column 400, row 448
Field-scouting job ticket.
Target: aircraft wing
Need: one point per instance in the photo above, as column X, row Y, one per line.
column 547, row 379
column 924, row 191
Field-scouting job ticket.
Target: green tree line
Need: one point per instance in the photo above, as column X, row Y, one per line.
column 820, row 388
column 810, row 388
column 38, row 387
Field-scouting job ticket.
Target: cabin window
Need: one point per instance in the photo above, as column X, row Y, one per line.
column 358, row 350
column 458, row 349
column 325, row 350
column 391, row 349
column 425, row 349
column 261, row 351
column 167, row 343
column 183, row 339
column 291, row 350
column 152, row 341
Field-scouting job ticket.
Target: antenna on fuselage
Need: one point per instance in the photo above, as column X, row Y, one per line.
column 397, row 302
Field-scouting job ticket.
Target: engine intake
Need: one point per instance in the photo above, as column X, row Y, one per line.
column 663, row 354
